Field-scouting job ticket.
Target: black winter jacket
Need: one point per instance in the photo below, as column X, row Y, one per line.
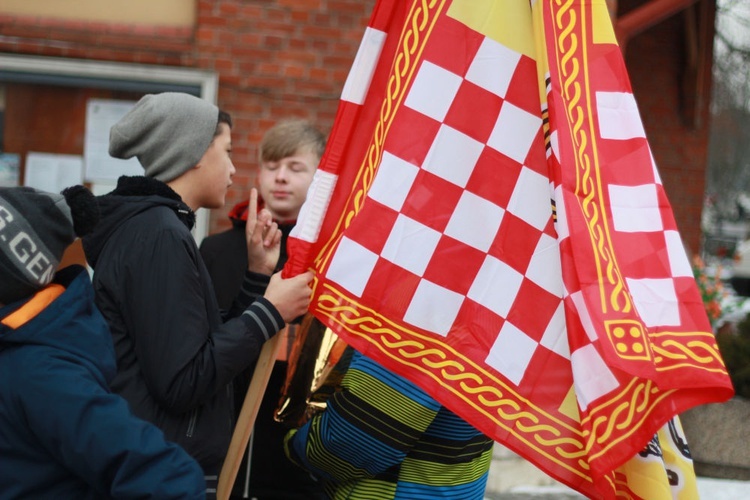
column 271, row 474
column 175, row 357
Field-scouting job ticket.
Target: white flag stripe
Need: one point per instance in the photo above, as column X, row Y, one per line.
column 359, row 78
column 315, row 207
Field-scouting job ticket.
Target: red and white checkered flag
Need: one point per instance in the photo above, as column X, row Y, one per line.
column 488, row 222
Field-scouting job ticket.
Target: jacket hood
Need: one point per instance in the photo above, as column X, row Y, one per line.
column 132, row 196
column 70, row 323
column 238, row 213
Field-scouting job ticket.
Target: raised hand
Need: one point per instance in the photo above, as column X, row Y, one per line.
column 290, row 296
column 263, row 238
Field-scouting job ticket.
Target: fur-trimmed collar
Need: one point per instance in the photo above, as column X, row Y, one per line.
column 144, row 186
column 147, row 186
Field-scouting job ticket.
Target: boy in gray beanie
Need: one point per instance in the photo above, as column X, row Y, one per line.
column 177, row 352
column 56, row 358
column 168, row 133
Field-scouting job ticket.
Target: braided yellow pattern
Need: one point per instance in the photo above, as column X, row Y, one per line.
column 621, row 416
column 686, row 355
column 571, row 54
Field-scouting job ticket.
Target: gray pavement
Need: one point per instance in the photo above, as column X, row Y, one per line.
column 708, row 488
column 512, row 478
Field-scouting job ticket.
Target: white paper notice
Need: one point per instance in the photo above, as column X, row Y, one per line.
column 52, row 172
column 10, row 170
column 101, row 114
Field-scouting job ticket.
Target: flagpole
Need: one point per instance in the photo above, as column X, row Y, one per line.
column 248, row 414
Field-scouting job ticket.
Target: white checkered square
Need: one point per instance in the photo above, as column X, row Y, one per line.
column 618, row 116
column 495, row 286
column 531, row 200
column 655, row 300
column 555, row 336
column 452, row 156
column 545, row 268
column 511, row 352
column 635, row 209
column 433, row 91
column 433, row 308
column 475, row 221
column 351, row 266
column 592, row 378
column 678, row 260
column 493, row 67
column 393, row 181
column 410, row 245
column 514, row 132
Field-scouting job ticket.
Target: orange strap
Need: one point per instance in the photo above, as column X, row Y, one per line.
column 37, row 304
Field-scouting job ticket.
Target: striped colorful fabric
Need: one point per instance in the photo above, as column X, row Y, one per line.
column 382, row 437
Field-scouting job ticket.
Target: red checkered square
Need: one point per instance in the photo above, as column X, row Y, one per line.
column 515, row 242
column 453, row 265
column 403, row 140
column 549, row 229
column 431, row 200
column 474, row 111
column 472, row 324
column 667, row 216
column 647, row 255
column 606, row 78
column 536, row 158
column 372, row 227
column 390, row 289
column 544, row 366
column 573, row 321
column 533, row 309
column 519, row 92
column 444, row 50
column 494, row 177
column 692, row 309
column 619, row 158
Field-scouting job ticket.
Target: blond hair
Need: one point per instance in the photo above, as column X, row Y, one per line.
column 289, row 137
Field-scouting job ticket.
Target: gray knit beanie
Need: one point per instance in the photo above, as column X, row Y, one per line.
column 35, row 229
column 168, row 133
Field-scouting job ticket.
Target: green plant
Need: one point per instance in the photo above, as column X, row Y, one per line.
column 712, row 290
column 735, row 349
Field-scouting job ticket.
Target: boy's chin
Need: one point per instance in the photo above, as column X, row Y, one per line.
column 213, row 204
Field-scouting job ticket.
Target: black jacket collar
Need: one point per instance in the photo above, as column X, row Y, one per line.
column 147, row 186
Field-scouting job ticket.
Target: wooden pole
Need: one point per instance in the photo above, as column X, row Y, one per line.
column 248, row 414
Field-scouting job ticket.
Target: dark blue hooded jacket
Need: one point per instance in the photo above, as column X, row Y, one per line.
column 63, row 434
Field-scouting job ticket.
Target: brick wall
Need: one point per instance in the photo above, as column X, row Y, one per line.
column 290, row 58
column 275, row 59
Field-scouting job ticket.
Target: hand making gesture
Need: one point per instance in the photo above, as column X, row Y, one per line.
column 263, row 238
